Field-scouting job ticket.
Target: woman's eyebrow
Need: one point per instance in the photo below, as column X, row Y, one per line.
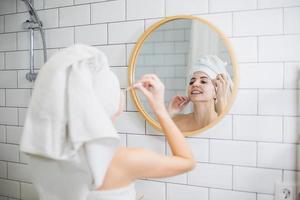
column 204, row 77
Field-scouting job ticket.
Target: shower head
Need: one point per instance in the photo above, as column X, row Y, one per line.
column 32, row 12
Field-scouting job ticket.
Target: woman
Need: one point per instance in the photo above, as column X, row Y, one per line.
column 208, row 90
column 69, row 135
column 130, row 164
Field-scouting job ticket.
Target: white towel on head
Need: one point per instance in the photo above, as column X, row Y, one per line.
column 74, row 97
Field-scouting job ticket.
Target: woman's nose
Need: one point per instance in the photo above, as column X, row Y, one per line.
column 196, row 83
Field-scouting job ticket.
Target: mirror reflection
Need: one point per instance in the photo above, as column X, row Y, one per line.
column 194, row 63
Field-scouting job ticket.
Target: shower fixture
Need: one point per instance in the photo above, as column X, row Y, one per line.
column 32, row 24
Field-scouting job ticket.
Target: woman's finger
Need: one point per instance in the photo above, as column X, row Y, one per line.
column 142, row 89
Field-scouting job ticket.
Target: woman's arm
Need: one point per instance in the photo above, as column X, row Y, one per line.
column 130, row 164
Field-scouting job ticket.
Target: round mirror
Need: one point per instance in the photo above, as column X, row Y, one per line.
column 195, row 62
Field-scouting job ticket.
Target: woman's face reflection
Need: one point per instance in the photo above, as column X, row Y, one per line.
column 201, row 88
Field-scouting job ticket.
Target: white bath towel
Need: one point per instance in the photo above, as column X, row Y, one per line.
column 74, row 97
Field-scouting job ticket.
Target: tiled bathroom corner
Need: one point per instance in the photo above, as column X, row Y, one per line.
column 241, row 158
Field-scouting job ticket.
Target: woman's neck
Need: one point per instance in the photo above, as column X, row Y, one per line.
column 204, row 113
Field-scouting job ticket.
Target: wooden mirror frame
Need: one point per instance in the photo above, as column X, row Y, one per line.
column 137, row 48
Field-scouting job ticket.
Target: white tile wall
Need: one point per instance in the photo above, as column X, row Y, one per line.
column 102, row 12
column 277, row 3
column 231, row 5
column 130, row 32
column 291, row 131
column 277, row 102
column 259, row 22
column 179, row 192
column 8, row 116
column 240, row 158
column 91, row 34
column 217, row 194
column 141, row 9
column 13, row 134
column 17, row 60
column 8, row 41
column 260, row 71
column 291, row 73
column 116, row 54
column 250, row 179
column 54, row 39
column 233, row 152
column 2, row 97
column 175, row 7
column 22, row 115
column 258, row 128
column 269, row 48
column 1, row 60
column 3, row 169
column 130, row 122
column 279, row 156
column 265, row 197
column 76, row 15
column 245, row 102
column 10, row 188
column 2, row 134
column 19, row 172
column 8, row 6
column 57, row 3
column 8, row 79
column 1, row 24
column 17, row 97
column 208, row 175
column 291, row 15
column 9, row 152
column 245, row 48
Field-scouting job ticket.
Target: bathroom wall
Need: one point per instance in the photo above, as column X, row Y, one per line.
column 240, row 158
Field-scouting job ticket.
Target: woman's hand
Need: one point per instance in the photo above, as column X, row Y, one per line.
column 177, row 104
column 151, row 86
column 222, row 92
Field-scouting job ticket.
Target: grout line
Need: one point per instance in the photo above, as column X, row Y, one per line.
column 257, row 101
column 166, row 196
column 282, row 129
column 283, row 16
column 256, row 164
column 126, row 10
column 90, row 13
column 232, row 24
column 232, row 177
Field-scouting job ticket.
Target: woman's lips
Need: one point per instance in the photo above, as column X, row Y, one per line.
column 196, row 92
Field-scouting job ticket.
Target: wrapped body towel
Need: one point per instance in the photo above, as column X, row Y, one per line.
column 68, row 125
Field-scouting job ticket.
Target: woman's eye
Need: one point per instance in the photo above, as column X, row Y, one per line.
column 192, row 81
column 203, row 82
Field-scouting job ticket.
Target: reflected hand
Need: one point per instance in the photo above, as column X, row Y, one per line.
column 222, row 91
column 177, row 104
column 152, row 87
